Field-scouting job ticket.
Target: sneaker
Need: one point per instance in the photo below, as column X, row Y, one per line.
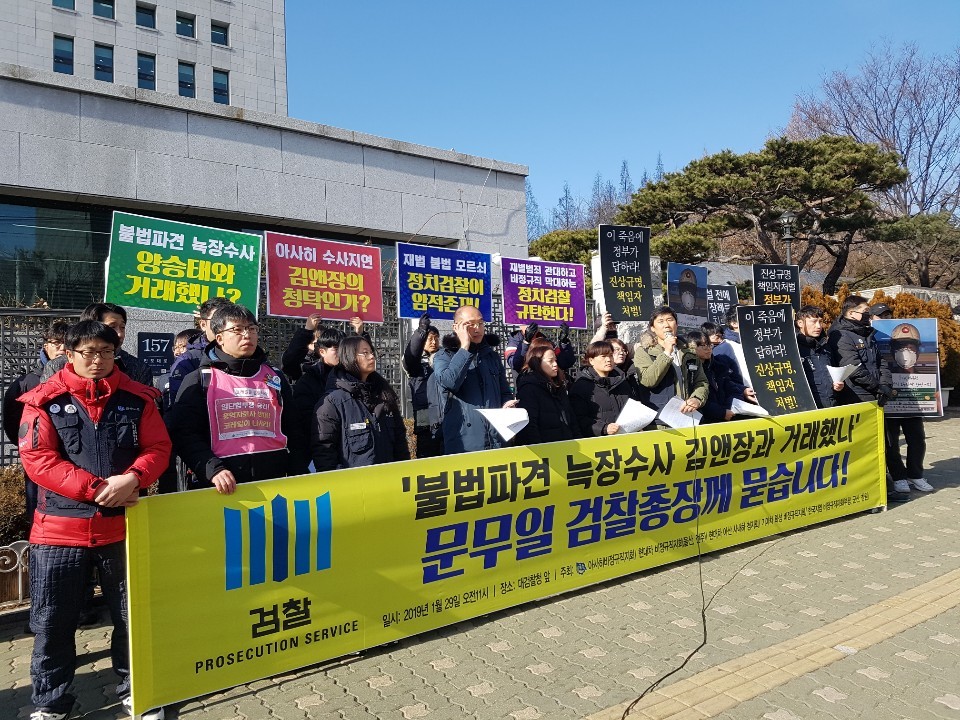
column 897, row 497
column 48, row 715
column 901, row 486
column 920, row 484
column 155, row 714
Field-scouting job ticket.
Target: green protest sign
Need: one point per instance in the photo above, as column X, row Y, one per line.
column 165, row 265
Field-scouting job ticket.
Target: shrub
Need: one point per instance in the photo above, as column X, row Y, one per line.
column 905, row 306
column 13, row 515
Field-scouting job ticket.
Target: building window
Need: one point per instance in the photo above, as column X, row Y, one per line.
column 219, row 34
column 186, row 25
column 221, row 87
column 103, row 63
column 146, row 71
column 103, row 8
column 187, row 79
column 65, row 4
column 147, row 16
column 63, row 55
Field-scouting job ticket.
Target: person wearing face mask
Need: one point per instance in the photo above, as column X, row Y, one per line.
column 418, row 365
column 852, row 341
column 600, row 392
column 905, row 345
column 667, row 370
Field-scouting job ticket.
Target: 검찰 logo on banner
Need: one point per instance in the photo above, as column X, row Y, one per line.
column 245, row 531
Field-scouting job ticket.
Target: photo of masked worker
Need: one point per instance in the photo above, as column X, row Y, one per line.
column 909, row 348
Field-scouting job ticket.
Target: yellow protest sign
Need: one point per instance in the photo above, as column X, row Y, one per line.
column 290, row 572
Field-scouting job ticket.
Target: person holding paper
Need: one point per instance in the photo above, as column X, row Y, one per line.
column 359, row 421
column 852, row 341
column 720, row 375
column 468, row 375
column 542, row 392
column 730, row 345
column 815, row 355
column 668, row 371
column 600, row 392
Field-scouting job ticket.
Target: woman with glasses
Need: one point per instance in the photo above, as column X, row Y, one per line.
column 228, row 423
column 359, row 421
column 600, row 392
column 623, row 359
column 720, row 376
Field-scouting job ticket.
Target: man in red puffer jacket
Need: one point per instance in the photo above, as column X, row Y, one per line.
column 91, row 438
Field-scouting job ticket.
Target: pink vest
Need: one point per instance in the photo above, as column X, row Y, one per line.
column 244, row 412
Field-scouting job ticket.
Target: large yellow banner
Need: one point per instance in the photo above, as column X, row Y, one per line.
column 291, row 572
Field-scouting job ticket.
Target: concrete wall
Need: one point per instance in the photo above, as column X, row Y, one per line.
column 66, row 137
column 255, row 56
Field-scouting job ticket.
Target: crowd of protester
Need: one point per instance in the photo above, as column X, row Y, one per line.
column 94, row 432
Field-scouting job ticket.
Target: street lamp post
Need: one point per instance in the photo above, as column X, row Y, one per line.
column 786, row 225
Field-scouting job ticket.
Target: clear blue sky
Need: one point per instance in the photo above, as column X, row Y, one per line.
column 574, row 88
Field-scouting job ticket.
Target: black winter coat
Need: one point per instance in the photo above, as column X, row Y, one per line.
column 854, row 344
column 551, row 414
column 189, row 424
column 307, row 394
column 722, row 374
column 597, row 401
column 815, row 357
column 346, row 433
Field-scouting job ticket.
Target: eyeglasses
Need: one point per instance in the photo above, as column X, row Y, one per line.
column 91, row 354
column 366, row 353
column 475, row 325
column 55, row 343
column 239, row 331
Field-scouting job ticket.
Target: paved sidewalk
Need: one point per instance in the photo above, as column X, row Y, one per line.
column 855, row 618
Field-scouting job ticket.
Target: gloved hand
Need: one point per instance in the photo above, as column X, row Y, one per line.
column 884, row 393
column 424, row 324
column 530, row 332
column 563, row 335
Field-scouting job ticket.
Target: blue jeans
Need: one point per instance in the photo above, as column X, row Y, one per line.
column 58, row 581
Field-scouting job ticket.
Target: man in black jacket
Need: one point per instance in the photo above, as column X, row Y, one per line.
column 228, row 424
column 852, row 342
column 815, row 355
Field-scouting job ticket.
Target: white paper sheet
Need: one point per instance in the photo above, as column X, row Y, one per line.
column 506, row 421
column 839, row 374
column 737, row 349
column 671, row 415
column 635, row 416
column 742, row 407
